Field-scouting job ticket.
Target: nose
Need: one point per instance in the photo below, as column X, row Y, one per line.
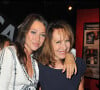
column 37, row 38
column 63, row 45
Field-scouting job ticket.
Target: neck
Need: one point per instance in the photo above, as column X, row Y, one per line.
column 59, row 65
column 27, row 50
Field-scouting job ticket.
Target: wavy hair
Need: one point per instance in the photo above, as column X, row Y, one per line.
column 23, row 28
column 47, row 54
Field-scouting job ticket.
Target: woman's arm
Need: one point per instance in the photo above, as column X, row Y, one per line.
column 81, row 86
column 6, row 64
column 70, row 65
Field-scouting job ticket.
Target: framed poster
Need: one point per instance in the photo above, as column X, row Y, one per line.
column 91, row 52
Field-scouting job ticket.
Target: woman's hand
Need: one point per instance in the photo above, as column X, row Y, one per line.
column 70, row 65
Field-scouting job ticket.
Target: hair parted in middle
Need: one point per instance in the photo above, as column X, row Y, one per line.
column 23, row 29
column 47, row 54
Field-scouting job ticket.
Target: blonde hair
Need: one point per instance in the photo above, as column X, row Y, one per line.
column 47, row 55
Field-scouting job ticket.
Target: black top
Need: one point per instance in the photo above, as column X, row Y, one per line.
column 54, row 79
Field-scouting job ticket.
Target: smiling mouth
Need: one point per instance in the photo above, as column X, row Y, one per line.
column 62, row 52
column 36, row 44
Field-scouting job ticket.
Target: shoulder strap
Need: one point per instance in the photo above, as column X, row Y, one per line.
column 13, row 54
column 1, row 58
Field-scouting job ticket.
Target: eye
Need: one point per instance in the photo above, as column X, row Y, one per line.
column 33, row 32
column 67, row 40
column 43, row 35
column 58, row 42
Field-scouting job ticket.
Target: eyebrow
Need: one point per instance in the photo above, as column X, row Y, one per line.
column 36, row 30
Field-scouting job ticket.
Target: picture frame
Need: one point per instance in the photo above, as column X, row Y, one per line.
column 91, row 50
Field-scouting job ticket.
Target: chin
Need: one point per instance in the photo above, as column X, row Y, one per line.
column 62, row 57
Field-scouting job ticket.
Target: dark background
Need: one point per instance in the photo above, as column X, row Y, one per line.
column 50, row 9
column 16, row 10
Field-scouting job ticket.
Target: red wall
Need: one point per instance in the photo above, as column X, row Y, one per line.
column 85, row 16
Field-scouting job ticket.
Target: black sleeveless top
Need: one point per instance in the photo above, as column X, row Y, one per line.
column 54, row 79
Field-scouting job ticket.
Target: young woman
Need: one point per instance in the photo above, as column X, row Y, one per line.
column 18, row 69
column 59, row 41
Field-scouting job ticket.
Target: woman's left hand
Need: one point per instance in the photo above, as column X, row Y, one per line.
column 70, row 65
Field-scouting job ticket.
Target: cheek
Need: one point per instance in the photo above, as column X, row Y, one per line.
column 28, row 40
column 68, row 46
column 55, row 46
column 29, row 37
column 42, row 40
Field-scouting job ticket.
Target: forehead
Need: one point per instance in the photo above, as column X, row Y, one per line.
column 60, row 34
column 37, row 25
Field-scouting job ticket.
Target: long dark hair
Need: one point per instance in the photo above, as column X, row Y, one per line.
column 23, row 28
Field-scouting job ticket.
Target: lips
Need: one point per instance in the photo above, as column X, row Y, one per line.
column 36, row 44
column 62, row 52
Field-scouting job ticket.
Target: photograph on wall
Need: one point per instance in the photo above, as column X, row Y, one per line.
column 91, row 46
column 90, row 36
column 91, row 56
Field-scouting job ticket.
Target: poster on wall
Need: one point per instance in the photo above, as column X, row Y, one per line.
column 7, row 27
column 91, row 53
